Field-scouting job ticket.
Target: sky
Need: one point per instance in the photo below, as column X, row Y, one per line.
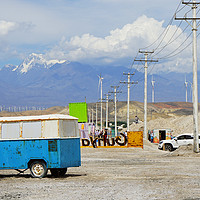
column 96, row 32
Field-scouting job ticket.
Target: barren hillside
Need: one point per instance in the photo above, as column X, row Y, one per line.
column 155, row 110
column 52, row 110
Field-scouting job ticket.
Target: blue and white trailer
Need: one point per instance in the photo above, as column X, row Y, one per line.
column 40, row 143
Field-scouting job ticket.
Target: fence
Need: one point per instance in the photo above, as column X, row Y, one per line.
column 20, row 108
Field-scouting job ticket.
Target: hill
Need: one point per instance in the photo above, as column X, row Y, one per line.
column 155, row 110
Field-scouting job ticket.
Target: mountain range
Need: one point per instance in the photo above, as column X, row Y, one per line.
column 42, row 82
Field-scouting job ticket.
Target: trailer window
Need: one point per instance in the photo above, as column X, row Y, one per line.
column 10, row 130
column 31, row 129
column 68, row 128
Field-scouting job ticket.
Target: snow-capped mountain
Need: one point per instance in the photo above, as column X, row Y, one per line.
column 40, row 81
column 37, row 60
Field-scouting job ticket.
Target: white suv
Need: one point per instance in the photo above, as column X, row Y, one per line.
column 180, row 140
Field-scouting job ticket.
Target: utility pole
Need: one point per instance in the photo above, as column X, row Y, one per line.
column 195, row 86
column 146, row 53
column 152, row 84
column 107, row 100
column 128, row 98
column 96, row 118
column 92, row 116
column 186, row 84
column 100, row 81
column 115, row 100
column 89, row 120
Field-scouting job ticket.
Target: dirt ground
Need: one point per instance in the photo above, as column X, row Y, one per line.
column 114, row 173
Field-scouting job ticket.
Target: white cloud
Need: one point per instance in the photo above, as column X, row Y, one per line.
column 118, row 44
column 6, row 27
column 123, row 44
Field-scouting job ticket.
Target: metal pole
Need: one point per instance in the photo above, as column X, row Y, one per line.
column 107, row 111
column 195, row 89
column 145, row 88
column 128, row 102
column 92, row 116
column 101, row 106
column 128, row 96
column 96, row 117
column 145, row 98
column 115, row 111
column 115, row 100
column 89, row 120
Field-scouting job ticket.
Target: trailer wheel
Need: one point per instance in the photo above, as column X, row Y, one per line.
column 38, row 169
column 58, row 172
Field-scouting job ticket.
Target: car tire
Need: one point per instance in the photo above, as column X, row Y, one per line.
column 168, row 147
column 38, row 169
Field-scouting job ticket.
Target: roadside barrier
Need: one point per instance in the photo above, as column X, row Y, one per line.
column 133, row 139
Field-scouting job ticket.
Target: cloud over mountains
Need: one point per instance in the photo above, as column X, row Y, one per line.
column 122, row 45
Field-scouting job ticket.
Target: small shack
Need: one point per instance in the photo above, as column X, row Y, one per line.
column 160, row 134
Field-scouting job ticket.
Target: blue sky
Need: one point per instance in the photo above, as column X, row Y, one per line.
column 93, row 31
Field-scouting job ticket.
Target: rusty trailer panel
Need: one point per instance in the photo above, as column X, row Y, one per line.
column 56, row 153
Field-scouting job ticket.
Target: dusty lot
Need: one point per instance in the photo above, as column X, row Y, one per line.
column 117, row 173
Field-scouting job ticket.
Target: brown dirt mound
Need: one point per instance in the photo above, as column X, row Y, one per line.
column 186, row 151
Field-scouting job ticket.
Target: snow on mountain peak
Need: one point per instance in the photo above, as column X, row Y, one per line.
column 37, row 60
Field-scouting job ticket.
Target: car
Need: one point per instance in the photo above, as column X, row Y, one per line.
column 176, row 142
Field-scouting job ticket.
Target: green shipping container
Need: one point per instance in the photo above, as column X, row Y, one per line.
column 78, row 110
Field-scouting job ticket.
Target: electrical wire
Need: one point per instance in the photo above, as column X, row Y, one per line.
column 170, row 22
column 169, row 55
column 166, row 29
column 170, row 42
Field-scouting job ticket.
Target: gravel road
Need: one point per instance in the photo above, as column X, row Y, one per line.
column 113, row 173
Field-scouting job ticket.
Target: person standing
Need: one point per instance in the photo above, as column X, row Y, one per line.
column 152, row 137
column 136, row 119
column 105, row 134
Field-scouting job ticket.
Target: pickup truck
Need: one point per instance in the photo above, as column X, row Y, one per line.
column 180, row 140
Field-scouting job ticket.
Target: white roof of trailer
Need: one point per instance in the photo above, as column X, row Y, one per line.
column 37, row 118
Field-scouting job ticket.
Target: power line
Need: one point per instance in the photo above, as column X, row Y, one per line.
column 168, row 56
